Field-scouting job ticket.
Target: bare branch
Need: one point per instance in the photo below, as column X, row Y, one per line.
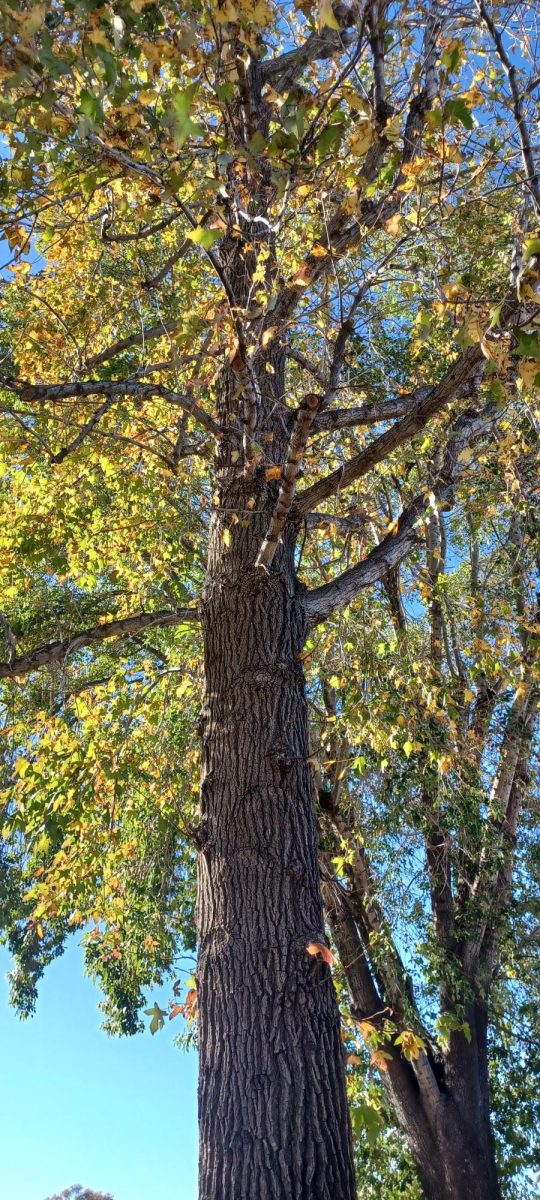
column 147, row 231
column 177, row 256
column 367, row 414
column 531, row 173
column 58, row 651
column 308, row 366
column 353, row 522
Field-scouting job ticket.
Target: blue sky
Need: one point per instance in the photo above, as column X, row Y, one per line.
column 76, row 1106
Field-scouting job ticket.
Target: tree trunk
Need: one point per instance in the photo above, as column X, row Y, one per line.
column 272, row 1103
column 442, row 1107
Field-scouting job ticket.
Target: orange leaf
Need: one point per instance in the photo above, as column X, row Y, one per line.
column 175, row 1010
column 317, row 948
column 273, row 472
column 380, row 1059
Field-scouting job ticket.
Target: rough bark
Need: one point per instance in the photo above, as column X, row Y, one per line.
column 272, row 1103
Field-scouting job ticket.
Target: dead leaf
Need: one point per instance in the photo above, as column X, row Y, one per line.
column 319, row 949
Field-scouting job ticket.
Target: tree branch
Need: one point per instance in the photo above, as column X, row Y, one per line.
column 343, row 231
column 437, row 397
column 311, row 405
column 42, row 392
column 134, row 339
column 58, row 651
column 147, row 231
column 321, row 601
column 531, row 173
column 84, row 431
column 282, row 72
column 502, row 817
column 366, row 414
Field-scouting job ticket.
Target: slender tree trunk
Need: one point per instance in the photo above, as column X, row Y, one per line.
column 272, row 1103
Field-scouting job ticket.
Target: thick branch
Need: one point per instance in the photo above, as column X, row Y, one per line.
column 501, row 819
column 322, row 601
column 436, row 399
column 42, row 392
column 366, row 414
column 282, row 72
column 295, row 454
column 352, row 522
column 58, row 651
column 311, row 405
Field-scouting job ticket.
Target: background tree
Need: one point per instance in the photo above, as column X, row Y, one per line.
column 432, row 772
column 76, row 1192
column 270, row 309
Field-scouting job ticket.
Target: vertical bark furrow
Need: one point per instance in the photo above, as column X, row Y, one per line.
column 271, row 1062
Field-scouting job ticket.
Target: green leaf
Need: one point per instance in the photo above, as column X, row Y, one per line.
column 178, row 115
column 90, row 106
column 330, row 138
column 408, row 748
column 109, row 65
column 203, row 237
column 531, row 247
column 457, row 111
column 158, row 1017
column 527, row 344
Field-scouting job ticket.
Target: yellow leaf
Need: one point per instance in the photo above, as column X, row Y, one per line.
column 350, row 204
column 362, row 139
column 32, row 21
column 529, row 368
column 393, row 225
column 226, row 12
column 327, row 16
column 268, row 336
column 392, row 129
column 261, row 14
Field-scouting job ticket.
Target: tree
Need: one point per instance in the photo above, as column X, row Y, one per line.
column 272, row 309
column 76, row 1192
column 424, row 802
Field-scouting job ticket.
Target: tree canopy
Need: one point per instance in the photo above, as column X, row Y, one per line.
column 197, row 199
